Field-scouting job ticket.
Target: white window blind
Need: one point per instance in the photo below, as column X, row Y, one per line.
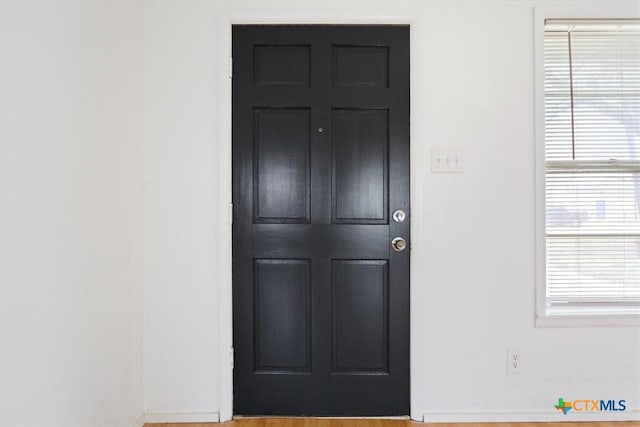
column 592, row 155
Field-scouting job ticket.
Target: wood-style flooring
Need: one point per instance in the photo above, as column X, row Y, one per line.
column 324, row 422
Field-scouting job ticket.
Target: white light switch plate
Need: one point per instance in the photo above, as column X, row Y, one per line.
column 446, row 161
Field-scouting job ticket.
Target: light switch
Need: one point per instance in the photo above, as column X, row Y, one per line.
column 446, row 161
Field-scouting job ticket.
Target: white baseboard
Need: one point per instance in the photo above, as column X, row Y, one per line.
column 139, row 421
column 542, row 416
column 182, row 417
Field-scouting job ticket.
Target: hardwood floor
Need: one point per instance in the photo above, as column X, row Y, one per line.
column 324, row 422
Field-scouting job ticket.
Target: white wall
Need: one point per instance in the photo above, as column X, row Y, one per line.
column 473, row 234
column 71, row 208
column 181, row 328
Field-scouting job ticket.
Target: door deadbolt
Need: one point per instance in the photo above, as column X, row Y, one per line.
column 398, row 215
column 398, row 244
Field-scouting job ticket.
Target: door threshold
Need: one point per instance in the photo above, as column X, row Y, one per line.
column 390, row 417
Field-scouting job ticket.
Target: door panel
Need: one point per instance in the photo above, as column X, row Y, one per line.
column 281, row 65
column 360, row 319
column 360, row 144
column 360, row 66
column 320, row 160
column 282, row 315
column 282, row 170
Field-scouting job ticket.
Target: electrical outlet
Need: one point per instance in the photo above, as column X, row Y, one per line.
column 514, row 360
column 446, row 161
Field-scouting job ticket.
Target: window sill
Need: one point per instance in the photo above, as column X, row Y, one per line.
column 584, row 319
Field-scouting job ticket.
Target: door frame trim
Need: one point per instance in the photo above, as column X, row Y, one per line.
column 223, row 163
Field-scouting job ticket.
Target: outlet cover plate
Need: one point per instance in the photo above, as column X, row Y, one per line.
column 515, row 359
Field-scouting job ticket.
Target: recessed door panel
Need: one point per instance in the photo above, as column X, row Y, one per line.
column 282, row 165
column 360, row 322
column 360, row 66
column 281, row 65
column 360, row 165
column 282, row 316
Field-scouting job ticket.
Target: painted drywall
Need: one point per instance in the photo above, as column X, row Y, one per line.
column 181, row 209
column 473, row 252
column 71, row 209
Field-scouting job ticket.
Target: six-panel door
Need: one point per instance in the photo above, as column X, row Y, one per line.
column 320, row 160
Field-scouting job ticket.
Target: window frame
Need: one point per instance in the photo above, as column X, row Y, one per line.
column 614, row 10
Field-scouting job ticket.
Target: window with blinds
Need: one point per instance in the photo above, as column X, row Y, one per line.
column 592, row 157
